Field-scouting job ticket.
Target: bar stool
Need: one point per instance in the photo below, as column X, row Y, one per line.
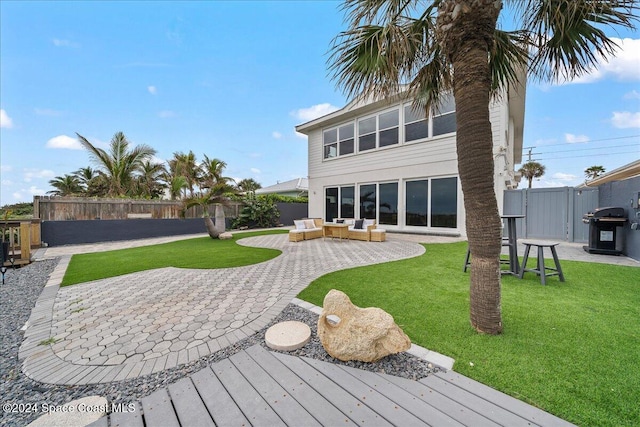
column 541, row 269
column 467, row 259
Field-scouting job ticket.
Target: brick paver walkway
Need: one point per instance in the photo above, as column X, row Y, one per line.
column 140, row 323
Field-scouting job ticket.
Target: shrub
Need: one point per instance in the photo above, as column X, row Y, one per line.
column 258, row 211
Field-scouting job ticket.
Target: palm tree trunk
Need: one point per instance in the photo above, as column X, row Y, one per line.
column 466, row 31
column 211, row 228
column 220, row 219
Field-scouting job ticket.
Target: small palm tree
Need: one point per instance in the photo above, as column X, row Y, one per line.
column 120, row 164
column 217, row 195
column 531, row 170
column 593, row 172
column 432, row 47
column 211, row 171
column 67, row 185
column 248, row 185
column 85, row 175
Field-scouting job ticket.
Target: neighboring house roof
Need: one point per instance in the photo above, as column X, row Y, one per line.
column 624, row 172
column 295, row 185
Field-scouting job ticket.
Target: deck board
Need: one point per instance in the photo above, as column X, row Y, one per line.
column 256, row 387
column 419, row 408
column 524, row 410
column 221, row 406
column 338, row 397
column 128, row 418
column 387, row 409
column 158, row 410
column 321, row 409
column 254, row 407
column 476, row 403
column 280, row 400
column 450, row 407
column 188, row 405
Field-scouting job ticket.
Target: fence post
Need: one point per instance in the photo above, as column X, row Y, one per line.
column 25, row 240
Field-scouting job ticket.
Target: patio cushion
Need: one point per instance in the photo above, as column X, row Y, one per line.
column 358, row 224
column 299, row 224
column 309, row 224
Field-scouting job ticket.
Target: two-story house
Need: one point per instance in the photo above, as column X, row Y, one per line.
column 384, row 160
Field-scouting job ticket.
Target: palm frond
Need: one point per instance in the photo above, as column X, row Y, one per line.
column 567, row 36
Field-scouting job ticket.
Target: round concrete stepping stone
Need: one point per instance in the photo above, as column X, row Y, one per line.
column 77, row 413
column 287, row 336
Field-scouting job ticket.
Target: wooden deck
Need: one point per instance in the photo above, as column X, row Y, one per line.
column 257, row 387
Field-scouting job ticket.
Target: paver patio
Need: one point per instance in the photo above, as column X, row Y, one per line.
column 140, row 323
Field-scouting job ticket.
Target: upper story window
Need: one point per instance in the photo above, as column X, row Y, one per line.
column 379, row 131
column 338, row 141
column 443, row 120
column 444, row 116
column 416, row 123
column 384, row 129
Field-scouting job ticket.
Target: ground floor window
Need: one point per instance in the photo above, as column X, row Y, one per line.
column 437, row 197
column 429, row 202
column 368, row 201
column 331, row 204
column 388, row 206
column 339, row 203
column 444, row 202
column 417, row 203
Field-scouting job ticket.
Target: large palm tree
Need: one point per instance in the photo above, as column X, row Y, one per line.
column 67, row 185
column 442, row 45
column 211, row 172
column 120, row 164
column 531, row 170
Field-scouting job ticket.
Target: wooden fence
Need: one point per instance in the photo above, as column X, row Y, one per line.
column 81, row 208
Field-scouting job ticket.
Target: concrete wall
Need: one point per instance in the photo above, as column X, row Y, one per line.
column 623, row 194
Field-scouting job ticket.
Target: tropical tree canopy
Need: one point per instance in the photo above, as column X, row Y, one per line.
column 422, row 49
column 67, row 185
column 120, row 164
column 531, row 170
column 593, row 172
column 248, row 185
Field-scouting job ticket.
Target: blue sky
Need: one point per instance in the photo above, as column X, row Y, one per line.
column 231, row 80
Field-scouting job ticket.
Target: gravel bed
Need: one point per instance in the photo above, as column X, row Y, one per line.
column 18, row 296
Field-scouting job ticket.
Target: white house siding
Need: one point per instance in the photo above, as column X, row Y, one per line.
column 431, row 158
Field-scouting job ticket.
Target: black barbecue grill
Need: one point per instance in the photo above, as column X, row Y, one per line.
column 603, row 223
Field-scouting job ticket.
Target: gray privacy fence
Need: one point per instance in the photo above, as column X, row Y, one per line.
column 552, row 213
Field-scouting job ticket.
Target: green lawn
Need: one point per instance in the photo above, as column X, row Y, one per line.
column 570, row 348
column 202, row 252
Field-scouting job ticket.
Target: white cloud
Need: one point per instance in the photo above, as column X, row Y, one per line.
column 623, row 65
column 313, row 112
column 6, row 168
column 152, row 90
column 5, row 120
column 65, row 43
column 31, row 174
column 6, row 182
column 625, row 119
column 255, row 171
column 166, row 114
column 573, row 139
column 634, row 94
column 28, row 193
column 276, row 135
column 64, row 142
